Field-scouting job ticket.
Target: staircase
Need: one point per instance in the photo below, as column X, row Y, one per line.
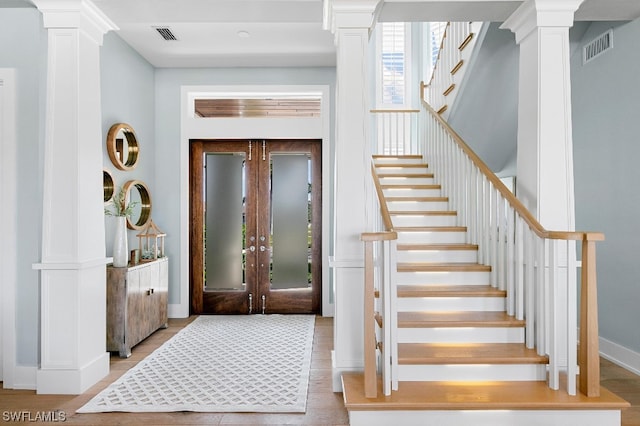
column 456, row 356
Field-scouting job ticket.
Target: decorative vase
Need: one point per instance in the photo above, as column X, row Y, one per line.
column 120, row 250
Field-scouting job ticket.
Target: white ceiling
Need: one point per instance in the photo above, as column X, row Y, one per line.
column 283, row 32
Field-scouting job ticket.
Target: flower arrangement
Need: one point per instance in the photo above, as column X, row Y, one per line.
column 117, row 205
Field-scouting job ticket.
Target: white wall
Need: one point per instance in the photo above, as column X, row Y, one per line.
column 168, row 117
column 23, row 47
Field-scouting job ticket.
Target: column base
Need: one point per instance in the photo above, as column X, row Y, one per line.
column 72, row 382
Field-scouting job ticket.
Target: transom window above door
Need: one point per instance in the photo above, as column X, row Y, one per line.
column 274, row 107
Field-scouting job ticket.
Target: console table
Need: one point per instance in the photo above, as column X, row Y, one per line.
column 137, row 298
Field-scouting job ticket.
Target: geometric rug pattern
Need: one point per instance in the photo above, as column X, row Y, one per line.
column 221, row 363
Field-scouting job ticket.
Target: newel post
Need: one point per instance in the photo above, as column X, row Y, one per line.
column 589, row 356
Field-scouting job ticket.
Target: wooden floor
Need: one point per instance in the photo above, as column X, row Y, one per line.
column 324, row 407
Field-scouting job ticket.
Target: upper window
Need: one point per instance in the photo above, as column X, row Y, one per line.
column 393, row 47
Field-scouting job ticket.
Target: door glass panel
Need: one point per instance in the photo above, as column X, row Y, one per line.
column 224, row 221
column 290, row 221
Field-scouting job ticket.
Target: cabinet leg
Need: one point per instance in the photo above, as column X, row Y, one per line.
column 125, row 352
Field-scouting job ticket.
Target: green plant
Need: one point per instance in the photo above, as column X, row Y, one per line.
column 117, row 205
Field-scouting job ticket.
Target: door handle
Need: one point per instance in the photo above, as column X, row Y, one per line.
column 252, row 249
column 262, row 248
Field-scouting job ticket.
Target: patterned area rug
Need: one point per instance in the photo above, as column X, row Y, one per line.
column 252, row 363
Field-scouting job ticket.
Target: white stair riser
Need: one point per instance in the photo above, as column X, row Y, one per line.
column 403, row 170
column 406, row 181
column 444, row 278
column 472, row 373
column 485, row 417
column 399, row 161
column 430, row 237
column 444, row 304
column 412, row 206
column 461, row 335
column 444, row 256
column 417, row 219
column 412, row 192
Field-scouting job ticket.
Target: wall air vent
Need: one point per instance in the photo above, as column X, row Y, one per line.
column 166, row 33
column 597, row 47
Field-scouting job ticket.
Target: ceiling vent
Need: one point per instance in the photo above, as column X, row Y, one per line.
column 597, row 47
column 166, row 33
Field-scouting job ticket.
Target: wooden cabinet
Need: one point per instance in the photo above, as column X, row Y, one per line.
column 137, row 299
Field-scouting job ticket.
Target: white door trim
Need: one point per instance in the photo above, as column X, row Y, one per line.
column 192, row 127
column 8, row 228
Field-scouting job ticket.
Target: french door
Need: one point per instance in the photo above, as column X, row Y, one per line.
column 255, row 226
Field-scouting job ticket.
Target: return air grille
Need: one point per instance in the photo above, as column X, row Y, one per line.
column 597, row 47
column 166, row 33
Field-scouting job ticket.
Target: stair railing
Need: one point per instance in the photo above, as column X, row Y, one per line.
column 396, row 131
column 455, row 49
column 528, row 261
column 379, row 298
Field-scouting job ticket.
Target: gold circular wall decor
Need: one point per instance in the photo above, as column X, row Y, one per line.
column 137, row 191
column 122, row 146
column 109, row 187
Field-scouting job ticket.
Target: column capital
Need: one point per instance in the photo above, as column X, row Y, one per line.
column 350, row 14
column 76, row 14
column 534, row 14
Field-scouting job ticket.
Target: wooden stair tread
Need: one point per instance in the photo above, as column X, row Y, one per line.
column 468, row 353
column 424, row 213
column 531, row 395
column 449, row 291
column 457, row 319
column 442, row 267
column 439, row 247
column 430, row 228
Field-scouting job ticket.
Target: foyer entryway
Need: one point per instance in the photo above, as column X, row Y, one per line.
column 255, row 226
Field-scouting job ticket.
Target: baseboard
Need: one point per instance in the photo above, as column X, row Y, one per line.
column 178, row 310
column 73, row 382
column 620, row 355
column 24, row 377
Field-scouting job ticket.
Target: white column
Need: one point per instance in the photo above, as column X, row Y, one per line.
column 73, row 353
column 350, row 21
column 545, row 144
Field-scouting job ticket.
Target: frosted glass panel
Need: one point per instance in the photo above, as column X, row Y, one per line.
column 224, row 264
column 290, row 221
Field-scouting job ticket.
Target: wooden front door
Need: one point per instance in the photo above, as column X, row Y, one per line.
column 255, row 226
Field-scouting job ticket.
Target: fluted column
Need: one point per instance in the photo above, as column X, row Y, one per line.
column 351, row 22
column 73, row 353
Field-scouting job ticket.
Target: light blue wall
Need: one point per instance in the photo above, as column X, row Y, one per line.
column 168, row 86
column 606, row 136
column 128, row 95
column 23, row 47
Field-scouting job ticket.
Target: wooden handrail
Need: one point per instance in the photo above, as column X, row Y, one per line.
column 588, row 357
column 517, row 205
column 384, row 211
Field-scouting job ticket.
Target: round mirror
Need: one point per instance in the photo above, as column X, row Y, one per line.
column 122, row 146
column 136, row 192
column 107, row 183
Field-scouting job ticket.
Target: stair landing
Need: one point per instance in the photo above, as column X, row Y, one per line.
column 495, row 403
